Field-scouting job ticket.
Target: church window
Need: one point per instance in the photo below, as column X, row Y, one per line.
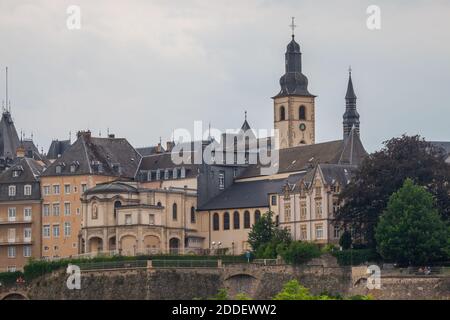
column 257, row 215
column 221, row 180
column 174, row 212
column 226, row 221
column 282, row 113
column 246, row 220
column 216, row 221
column 236, row 220
column 302, row 113
column 192, row 215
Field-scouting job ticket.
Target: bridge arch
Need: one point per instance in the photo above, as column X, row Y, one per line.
column 14, row 295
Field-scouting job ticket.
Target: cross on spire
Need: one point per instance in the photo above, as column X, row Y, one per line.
column 350, row 70
column 245, row 115
column 293, row 26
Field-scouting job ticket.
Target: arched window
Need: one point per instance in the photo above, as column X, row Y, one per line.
column 216, row 221
column 226, row 221
column 257, row 215
column 117, row 205
column 159, row 204
column 236, row 220
column 192, row 215
column 246, row 220
column 302, row 113
column 174, row 212
column 282, row 113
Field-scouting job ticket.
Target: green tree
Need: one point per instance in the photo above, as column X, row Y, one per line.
column 383, row 173
column 298, row 252
column 411, row 231
column 346, row 240
column 265, row 236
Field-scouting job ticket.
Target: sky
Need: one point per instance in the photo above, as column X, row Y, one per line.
column 144, row 68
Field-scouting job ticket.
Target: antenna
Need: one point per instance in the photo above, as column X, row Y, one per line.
column 293, row 26
column 6, row 87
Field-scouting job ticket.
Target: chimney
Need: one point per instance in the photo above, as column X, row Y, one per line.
column 159, row 148
column 170, row 145
column 111, row 135
column 20, row 152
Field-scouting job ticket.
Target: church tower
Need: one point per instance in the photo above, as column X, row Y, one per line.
column 351, row 116
column 294, row 114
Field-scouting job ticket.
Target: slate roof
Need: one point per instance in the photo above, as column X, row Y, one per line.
column 57, row 148
column 164, row 161
column 100, row 156
column 147, row 151
column 30, row 171
column 9, row 140
column 112, row 187
column 347, row 151
column 246, row 194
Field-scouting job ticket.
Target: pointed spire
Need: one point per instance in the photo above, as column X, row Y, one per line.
column 350, row 92
column 351, row 116
column 245, row 126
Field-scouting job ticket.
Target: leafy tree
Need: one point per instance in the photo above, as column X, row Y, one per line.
column 299, row 252
column 411, row 231
column 383, row 173
column 345, row 240
column 265, row 236
column 292, row 290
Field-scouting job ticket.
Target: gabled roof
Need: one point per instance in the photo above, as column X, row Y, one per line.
column 147, row 151
column 9, row 140
column 163, row 161
column 30, row 170
column 57, row 148
column 348, row 151
column 246, row 194
column 112, row 187
column 99, row 156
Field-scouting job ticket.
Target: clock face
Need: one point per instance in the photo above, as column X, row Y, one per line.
column 302, row 126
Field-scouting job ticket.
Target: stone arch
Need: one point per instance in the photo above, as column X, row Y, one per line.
column 241, row 282
column 95, row 243
column 128, row 244
column 152, row 241
column 15, row 295
column 112, row 240
column 174, row 245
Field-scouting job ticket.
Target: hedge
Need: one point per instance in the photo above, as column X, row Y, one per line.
column 7, row 278
column 356, row 256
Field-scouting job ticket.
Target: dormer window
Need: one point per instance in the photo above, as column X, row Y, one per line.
column 58, row 169
column 15, row 173
column 149, row 175
column 175, row 173
column 183, row 173
column 166, row 174
column 12, row 191
column 158, row 174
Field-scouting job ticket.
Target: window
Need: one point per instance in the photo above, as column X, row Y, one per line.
column 319, row 231
column 151, row 219
column 318, row 192
column 11, row 235
column 183, row 173
column 67, row 209
column 216, row 223
column 302, row 113
column 236, row 220
column 336, row 232
column 67, row 188
column 319, row 209
column 12, row 191
column 335, row 206
column 192, row 215
column 226, row 221
column 257, row 215
column 27, row 190
column 15, row 173
column 56, row 209
column 274, row 200
column 174, row 212
column 58, row 169
column 282, row 113
column 246, row 220
column 46, row 210
column 27, row 251
column 287, row 211
column 27, row 235
column 67, row 229
column 11, row 214
column 158, row 174
column 56, row 230
column 56, row 189
column 46, row 231
column 175, row 173
column 11, row 252
column 117, row 205
column 166, row 174
column 46, row 190
column 27, row 214
column 73, row 168
column 221, row 180
column 303, row 232
column 128, row 219
column 83, row 187
column 302, row 210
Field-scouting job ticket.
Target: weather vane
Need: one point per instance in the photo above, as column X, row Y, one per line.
column 293, row 25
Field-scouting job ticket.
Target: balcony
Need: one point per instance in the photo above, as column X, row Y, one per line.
column 6, row 241
column 10, row 220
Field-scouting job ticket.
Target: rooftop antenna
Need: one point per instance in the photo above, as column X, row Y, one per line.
column 3, row 105
column 293, row 26
column 350, row 70
column 6, row 87
column 107, row 131
column 245, row 115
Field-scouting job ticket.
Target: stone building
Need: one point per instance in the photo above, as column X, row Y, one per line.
column 20, row 213
column 120, row 216
column 87, row 162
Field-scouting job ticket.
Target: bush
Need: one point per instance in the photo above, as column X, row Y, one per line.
column 299, row 252
column 345, row 241
column 355, row 257
column 7, row 278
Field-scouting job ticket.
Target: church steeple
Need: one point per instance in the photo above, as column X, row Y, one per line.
column 351, row 116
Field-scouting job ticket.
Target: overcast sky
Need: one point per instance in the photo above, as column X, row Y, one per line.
column 144, row 68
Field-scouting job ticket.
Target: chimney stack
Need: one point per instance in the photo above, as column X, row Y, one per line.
column 170, row 145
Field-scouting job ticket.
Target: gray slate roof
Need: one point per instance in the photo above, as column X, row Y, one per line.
column 57, row 148
column 9, row 140
column 30, row 171
column 100, row 156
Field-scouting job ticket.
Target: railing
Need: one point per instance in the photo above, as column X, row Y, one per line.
column 113, row 265
column 267, row 262
column 417, row 271
column 185, row 264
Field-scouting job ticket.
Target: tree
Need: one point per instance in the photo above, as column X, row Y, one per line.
column 298, row 252
column 411, row 231
column 383, row 173
column 346, row 240
column 265, row 232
